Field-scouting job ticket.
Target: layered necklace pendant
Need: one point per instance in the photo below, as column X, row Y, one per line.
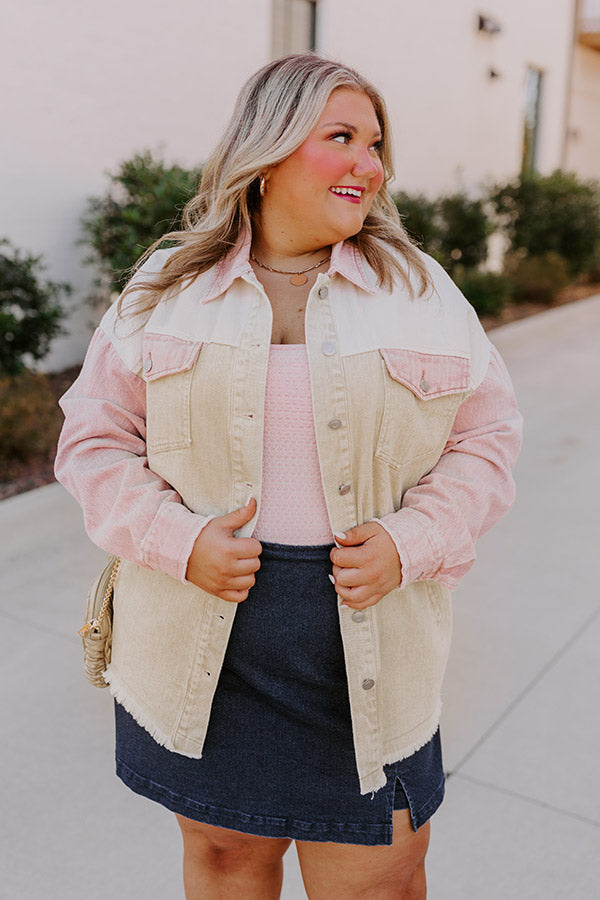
column 296, row 278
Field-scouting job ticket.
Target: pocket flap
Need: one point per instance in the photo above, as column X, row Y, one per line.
column 164, row 354
column 428, row 375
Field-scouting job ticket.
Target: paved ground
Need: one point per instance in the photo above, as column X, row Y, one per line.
column 521, row 727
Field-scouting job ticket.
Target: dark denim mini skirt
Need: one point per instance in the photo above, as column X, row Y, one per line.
column 278, row 760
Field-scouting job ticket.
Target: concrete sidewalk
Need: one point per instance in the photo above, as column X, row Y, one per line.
column 521, row 728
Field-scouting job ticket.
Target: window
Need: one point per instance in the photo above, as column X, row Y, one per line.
column 533, row 99
column 294, row 26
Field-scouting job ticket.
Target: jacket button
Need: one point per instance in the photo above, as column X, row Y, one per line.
column 328, row 348
column 335, row 424
column 148, row 364
column 323, row 292
column 343, row 489
column 424, row 385
column 358, row 616
column 367, row 684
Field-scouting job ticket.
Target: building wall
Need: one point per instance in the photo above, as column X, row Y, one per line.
column 582, row 150
column 455, row 126
column 94, row 83
column 583, row 154
column 91, row 83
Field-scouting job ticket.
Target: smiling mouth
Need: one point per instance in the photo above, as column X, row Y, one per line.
column 351, row 194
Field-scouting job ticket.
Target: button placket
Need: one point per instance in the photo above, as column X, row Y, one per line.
column 248, row 400
column 333, row 439
column 362, row 663
column 327, row 383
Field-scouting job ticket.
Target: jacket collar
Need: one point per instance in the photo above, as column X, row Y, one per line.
column 345, row 261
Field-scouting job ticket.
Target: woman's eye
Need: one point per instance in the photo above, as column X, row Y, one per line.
column 342, row 137
column 377, row 146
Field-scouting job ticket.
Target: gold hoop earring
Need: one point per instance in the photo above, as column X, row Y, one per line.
column 262, row 187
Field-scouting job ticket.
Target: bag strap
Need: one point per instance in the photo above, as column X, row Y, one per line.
column 109, row 590
column 97, row 621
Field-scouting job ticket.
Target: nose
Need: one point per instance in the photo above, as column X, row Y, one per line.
column 365, row 163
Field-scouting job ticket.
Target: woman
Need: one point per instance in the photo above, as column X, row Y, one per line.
column 292, row 429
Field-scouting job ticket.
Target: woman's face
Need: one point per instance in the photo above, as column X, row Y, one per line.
column 322, row 193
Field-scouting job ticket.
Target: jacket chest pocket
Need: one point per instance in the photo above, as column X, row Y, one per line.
column 168, row 366
column 422, row 394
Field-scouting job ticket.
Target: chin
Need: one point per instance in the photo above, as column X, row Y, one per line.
column 342, row 233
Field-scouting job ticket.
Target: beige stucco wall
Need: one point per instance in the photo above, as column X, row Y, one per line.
column 91, row 83
column 455, row 126
column 583, row 146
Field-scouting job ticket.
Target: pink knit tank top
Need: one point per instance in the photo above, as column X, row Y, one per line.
column 293, row 507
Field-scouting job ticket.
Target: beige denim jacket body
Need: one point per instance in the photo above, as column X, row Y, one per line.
column 394, row 371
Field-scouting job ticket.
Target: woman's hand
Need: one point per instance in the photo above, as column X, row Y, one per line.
column 366, row 565
column 222, row 564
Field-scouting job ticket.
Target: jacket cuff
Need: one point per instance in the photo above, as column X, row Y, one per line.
column 418, row 548
column 170, row 539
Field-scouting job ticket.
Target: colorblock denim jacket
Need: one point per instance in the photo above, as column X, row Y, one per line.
column 416, row 426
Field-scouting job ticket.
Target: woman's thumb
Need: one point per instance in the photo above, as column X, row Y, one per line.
column 240, row 516
column 349, row 538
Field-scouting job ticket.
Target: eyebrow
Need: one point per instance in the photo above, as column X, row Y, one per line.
column 349, row 127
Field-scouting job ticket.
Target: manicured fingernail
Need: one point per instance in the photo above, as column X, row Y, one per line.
column 340, row 535
column 331, row 578
column 248, row 500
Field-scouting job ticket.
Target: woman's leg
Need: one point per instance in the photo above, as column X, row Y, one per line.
column 358, row 872
column 220, row 864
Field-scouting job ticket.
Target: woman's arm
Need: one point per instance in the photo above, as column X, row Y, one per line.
column 467, row 491
column 435, row 530
column 128, row 509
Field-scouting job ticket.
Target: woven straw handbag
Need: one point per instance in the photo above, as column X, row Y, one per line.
column 96, row 633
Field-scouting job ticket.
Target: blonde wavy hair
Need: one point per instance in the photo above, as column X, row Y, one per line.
column 275, row 112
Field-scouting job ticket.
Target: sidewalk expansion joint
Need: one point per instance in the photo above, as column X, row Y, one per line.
column 527, row 689
column 534, row 801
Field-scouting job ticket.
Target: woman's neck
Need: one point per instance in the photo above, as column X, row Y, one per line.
column 282, row 251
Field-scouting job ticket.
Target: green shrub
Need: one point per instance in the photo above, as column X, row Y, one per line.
column 555, row 213
column 420, row 218
column 30, row 309
column 537, row 278
column 29, row 424
column 453, row 229
column 464, row 231
column 487, row 292
column 144, row 200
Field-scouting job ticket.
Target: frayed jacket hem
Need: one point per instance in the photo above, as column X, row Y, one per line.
column 377, row 779
column 141, row 715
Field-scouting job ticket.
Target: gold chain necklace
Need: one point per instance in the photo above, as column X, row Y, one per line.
column 298, row 278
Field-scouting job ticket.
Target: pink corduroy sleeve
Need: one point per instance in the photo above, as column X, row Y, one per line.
column 101, row 459
column 467, row 491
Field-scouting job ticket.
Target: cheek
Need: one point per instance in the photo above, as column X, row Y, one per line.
column 326, row 165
